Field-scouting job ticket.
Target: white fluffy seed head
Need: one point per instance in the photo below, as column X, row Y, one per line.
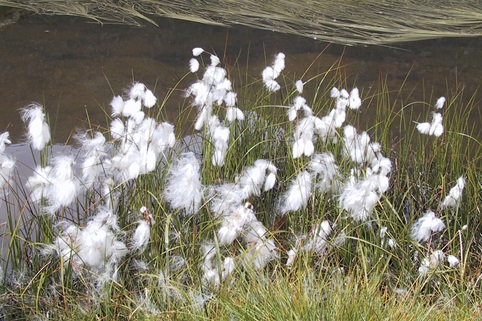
column 230, row 99
column 270, row 73
column 184, row 189
column 65, row 186
column 193, row 65
column 455, row 194
column 197, row 51
column 214, row 60
column 434, row 128
column 4, row 140
column 141, row 236
column 149, row 99
column 334, row 93
column 440, row 103
column 137, row 91
column 423, row 228
column 38, row 129
column 279, row 64
column 117, row 105
column 272, row 85
column 354, row 99
column 298, row 193
column 299, row 86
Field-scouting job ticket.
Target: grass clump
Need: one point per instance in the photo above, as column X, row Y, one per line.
column 269, row 207
column 345, row 22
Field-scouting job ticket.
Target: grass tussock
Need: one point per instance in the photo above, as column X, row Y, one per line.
column 261, row 203
column 346, row 22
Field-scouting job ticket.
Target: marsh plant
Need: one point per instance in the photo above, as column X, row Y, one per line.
column 266, row 195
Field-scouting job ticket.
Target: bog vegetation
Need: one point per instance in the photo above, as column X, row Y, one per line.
column 271, row 206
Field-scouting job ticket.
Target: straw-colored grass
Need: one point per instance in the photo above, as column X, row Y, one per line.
column 346, row 22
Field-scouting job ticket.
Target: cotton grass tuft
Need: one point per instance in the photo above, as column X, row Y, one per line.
column 38, row 129
column 184, row 190
column 423, row 228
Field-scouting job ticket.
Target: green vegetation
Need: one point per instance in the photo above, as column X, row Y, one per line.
column 317, row 255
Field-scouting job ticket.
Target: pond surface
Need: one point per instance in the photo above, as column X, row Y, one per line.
column 73, row 66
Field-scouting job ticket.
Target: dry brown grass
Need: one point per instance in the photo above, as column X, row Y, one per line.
column 346, row 22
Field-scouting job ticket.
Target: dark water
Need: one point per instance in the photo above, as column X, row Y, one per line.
column 72, row 65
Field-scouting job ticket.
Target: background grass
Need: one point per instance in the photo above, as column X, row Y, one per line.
column 346, row 22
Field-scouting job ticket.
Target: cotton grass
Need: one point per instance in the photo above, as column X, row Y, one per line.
column 38, row 129
column 139, row 220
column 184, row 190
column 7, row 162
